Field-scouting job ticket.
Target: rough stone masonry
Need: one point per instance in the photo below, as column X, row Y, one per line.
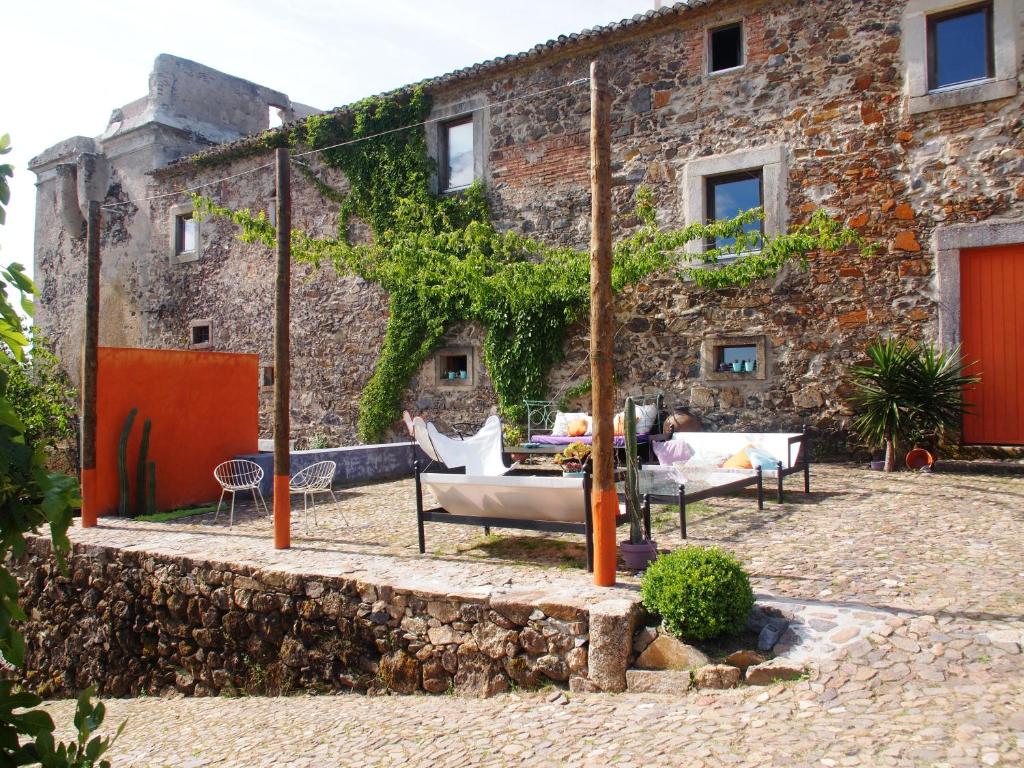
column 134, row 623
column 823, row 107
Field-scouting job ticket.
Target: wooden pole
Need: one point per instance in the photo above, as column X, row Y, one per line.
column 282, row 369
column 90, row 364
column 604, row 498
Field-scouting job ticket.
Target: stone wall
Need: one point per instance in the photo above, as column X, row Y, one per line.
column 823, row 82
column 134, row 623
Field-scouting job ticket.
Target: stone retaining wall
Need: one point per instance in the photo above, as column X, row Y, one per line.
column 131, row 623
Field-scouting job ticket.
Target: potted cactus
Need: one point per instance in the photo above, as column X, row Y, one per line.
column 639, row 550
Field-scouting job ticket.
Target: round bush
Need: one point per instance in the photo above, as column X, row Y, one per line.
column 700, row 592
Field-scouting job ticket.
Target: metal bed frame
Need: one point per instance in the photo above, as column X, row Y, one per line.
column 441, row 515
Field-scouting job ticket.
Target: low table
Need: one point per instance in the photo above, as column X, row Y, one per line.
column 665, row 485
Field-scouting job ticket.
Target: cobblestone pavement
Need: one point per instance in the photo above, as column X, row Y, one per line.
column 940, row 681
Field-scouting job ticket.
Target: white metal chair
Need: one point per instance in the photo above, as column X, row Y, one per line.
column 311, row 480
column 239, row 475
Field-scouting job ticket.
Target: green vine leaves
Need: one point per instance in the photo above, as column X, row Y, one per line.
column 441, row 261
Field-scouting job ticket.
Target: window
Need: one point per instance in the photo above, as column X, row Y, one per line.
column 960, row 46
column 730, row 195
column 734, row 358
column 455, row 366
column 200, row 334
column 725, row 48
column 267, row 377
column 738, row 359
column 708, row 194
column 185, row 243
column 186, row 234
column 457, row 154
column 960, row 52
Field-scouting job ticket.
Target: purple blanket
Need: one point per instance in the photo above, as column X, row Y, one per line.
column 585, row 439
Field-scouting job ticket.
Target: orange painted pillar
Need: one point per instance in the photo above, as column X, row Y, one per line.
column 89, row 517
column 282, row 512
column 605, row 511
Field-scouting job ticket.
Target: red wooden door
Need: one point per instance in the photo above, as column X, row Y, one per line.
column 992, row 332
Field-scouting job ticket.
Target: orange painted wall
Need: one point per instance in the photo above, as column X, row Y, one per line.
column 204, row 408
column 992, row 333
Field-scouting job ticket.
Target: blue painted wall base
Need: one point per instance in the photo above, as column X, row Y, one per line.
column 356, row 464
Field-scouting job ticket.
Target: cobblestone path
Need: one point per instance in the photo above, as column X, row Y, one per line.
column 939, row 683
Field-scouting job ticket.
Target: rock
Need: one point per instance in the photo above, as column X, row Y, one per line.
column 577, row 659
column 516, row 612
column 519, row 671
column 293, row 653
column 644, row 638
column 611, row 635
column 744, row 659
column 667, row 652
column 773, row 671
column 435, row 678
column 579, row 684
column 492, row 639
column 478, row 675
column 844, row 635
column 532, row 641
column 770, row 635
column 718, row 676
column 400, row 672
column 655, row 681
column 553, row 668
column 443, row 635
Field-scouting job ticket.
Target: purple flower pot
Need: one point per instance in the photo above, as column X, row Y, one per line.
column 638, row 556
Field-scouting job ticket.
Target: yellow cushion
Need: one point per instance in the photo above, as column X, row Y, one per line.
column 739, row 460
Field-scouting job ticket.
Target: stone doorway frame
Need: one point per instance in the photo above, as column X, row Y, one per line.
column 949, row 242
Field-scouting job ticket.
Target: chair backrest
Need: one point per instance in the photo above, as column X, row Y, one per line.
column 480, row 454
column 315, row 477
column 239, row 473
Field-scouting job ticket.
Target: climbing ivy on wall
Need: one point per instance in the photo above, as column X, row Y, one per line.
column 441, row 260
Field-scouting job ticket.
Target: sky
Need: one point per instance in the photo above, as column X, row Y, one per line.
column 68, row 63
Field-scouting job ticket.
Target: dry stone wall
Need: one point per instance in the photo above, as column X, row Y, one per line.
column 823, row 80
column 135, row 623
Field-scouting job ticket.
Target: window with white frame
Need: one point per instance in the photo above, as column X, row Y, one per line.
column 458, row 158
column 722, row 186
column 960, row 52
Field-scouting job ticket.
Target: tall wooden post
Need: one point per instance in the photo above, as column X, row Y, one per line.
column 282, row 369
column 604, row 498
column 90, row 366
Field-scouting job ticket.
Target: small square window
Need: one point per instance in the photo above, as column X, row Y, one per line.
column 738, row 359
column 200, row 335
column 725, row 48
column 960, row 46
column 186, row 233
column 454, row 366
column 730, row 195
column 457, row 154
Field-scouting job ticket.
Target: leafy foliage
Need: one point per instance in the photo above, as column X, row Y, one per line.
column 30, row 497
column 45, row 400
column 908, row 390
column 442, row 261
column 701, row 593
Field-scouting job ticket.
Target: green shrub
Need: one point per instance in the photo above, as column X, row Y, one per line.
column 700, row 592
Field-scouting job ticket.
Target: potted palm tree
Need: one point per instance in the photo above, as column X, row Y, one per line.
column 639, row 550
column 574, row 459
column 908, row 389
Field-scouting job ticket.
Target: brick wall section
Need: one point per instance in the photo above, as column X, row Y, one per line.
column 823, row 78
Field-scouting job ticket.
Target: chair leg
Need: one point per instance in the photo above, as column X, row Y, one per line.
column 343, row 516
column 219, row 502
column 305, row 513
column 231, row 520
column 256, row 492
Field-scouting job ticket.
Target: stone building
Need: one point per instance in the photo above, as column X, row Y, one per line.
column 902, row 118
